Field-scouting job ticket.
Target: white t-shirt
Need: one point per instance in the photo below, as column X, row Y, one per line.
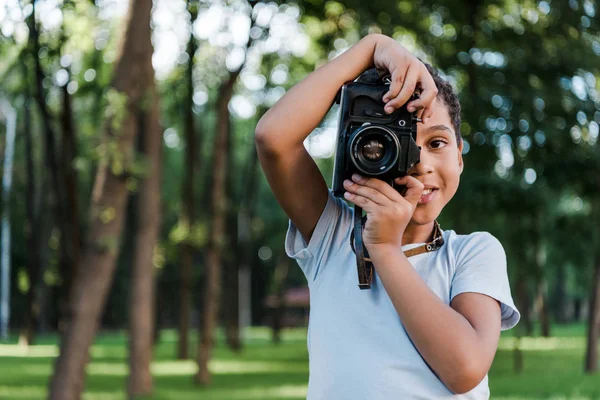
column 358, row 348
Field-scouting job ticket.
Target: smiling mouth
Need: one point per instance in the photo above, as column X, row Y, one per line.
column 427, row 196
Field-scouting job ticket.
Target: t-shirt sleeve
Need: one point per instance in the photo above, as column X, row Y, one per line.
column 331, row 233
column 481, row 268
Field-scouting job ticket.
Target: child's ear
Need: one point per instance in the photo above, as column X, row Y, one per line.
column 461, row 165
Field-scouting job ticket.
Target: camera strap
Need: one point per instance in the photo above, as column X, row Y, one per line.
column 363, row 260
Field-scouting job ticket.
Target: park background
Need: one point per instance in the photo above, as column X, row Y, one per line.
column 142, row 250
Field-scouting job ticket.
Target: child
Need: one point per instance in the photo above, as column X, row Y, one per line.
column 429, row 326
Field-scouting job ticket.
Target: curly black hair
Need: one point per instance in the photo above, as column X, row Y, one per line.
column 450, row 99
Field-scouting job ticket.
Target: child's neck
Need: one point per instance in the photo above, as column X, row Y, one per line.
column 416, row 233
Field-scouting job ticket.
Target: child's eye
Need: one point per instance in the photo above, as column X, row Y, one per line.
column 437, row 144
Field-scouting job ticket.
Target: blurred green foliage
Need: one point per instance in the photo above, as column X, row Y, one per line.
column 527, row 74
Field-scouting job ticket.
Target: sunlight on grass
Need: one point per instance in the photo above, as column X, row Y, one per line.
column 253, row 333
column 249, row 367
column 183, row 368
column 17, row 350
column 24, row 393
column 542, row 343
column 174, row 368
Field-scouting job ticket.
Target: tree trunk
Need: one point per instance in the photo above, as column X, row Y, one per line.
column 188, row 216
column 541, row 306
column 32, row 234
column 591, row 355
column 214, row 252
column 218, row 235
column 560, row 295
column 141, row 306
column 281, row 272
column 517, row 352
column 246, row 214
column 236, row 273
column 231, row 260
column 70, row 239
column 541, row 300
column 55, row 196
column 523, row 301
column 133, row 74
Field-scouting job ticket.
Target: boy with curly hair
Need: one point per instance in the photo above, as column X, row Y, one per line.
column 430, row 324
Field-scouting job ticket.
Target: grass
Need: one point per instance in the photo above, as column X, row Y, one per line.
column 553, row 369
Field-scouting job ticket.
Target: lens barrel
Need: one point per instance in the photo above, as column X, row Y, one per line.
column 374, row 149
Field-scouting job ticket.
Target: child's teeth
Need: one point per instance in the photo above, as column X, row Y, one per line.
column 426, row 192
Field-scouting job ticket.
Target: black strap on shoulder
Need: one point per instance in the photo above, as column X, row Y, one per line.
column 363, row 261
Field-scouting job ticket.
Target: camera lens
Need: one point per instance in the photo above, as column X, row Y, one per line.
column 374, row 149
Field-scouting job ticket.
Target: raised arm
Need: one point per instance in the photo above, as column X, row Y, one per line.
column 292, row 174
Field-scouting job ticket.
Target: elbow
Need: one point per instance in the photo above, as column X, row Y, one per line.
column 271, row 142
column 264, row 138
column 466, row 378
column 261, row 133
column 262, row 130
column 266, row 144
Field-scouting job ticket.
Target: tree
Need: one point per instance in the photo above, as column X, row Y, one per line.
column 212, row 291
column 218, row 234
column 32, row 231
column 70, row 243
column 142, row 301
column 188, row 215
column 55, row 201
column 133, row 75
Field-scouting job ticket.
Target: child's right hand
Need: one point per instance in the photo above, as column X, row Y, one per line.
column 407, row 75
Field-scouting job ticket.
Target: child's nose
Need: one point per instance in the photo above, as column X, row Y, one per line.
column 423, row 167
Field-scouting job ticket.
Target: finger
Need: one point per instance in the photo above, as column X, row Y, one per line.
column 396, row 82
column 428, row 94
column 414, row 188
column 408, row 88
column 368, row 192
column 380, row 186
column 361, row 201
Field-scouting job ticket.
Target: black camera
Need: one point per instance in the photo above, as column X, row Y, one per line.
column 369, row 141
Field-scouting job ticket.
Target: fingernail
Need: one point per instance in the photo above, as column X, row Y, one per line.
column 347, row 195
column 356, row 177
column 388, row 110
column 410, row 109
column 347, row 182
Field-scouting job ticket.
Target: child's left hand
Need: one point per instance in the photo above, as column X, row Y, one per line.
column 388, row 212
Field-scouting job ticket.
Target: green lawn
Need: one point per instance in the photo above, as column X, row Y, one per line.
column 552, row 369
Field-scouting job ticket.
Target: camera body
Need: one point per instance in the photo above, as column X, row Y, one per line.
column 369, row 141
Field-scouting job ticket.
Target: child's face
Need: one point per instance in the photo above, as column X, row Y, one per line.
column 441, row 164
